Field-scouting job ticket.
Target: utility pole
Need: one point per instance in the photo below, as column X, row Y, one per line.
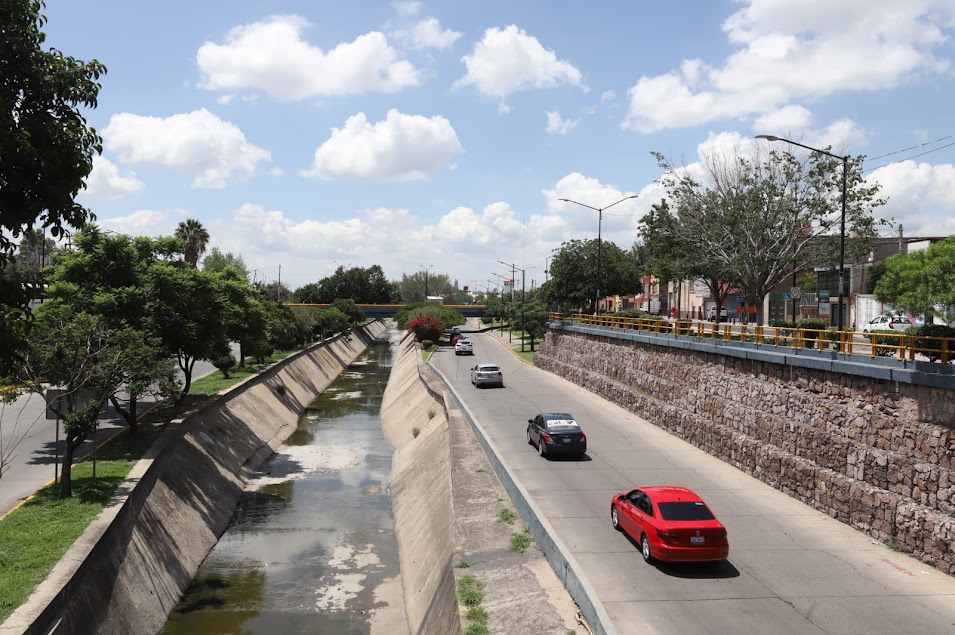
column 278, row 287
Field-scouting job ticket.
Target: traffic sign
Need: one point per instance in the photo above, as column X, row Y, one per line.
column 787, row 297
column 795, row 293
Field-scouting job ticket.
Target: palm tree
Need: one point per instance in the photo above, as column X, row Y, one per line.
column 196, row 238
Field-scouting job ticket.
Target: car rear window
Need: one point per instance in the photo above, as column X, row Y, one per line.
column 488, row 369
column 562, row 424
column 684, row 511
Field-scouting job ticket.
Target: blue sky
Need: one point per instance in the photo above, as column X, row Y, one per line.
column 409, row 134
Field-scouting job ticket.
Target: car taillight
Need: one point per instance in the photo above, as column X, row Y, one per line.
column 547, row 437
column 583, row 437
column 666, row 536
column 719, row 534
column 891, row 326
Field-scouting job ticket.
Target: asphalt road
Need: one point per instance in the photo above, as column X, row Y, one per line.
column 791, row 568
column 29, row 439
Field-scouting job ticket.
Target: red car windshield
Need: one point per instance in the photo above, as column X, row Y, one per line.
column 684, row 511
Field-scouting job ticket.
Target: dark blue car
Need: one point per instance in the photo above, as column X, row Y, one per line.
column 555, row 434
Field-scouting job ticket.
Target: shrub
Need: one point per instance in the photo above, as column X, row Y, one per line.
column 507, row 516
column 425, row 327
column 811, row 328
column 486, row 319
column 431, row 414
column 415, row 431
column 427, row 345
column 636, row 314
column 225, row 363
column 281, row 390
column 932, row 348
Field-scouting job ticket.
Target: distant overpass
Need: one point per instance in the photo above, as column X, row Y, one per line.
column 389, row 310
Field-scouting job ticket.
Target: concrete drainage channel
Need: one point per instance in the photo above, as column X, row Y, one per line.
column 319, row 569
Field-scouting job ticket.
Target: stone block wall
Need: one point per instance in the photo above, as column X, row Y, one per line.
column 875, row 454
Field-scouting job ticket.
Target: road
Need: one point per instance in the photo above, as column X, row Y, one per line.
column 791, row 568
column 23, row 424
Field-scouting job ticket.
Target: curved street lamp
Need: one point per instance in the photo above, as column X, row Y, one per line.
column 842, row 222
column 600, row 218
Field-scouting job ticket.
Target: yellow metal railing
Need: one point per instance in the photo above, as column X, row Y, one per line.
column 878, row 344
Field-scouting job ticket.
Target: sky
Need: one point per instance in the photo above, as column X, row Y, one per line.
column 439, row 136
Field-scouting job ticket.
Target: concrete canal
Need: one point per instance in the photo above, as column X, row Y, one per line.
column 311, row 547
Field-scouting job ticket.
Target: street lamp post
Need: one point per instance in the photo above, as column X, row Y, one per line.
column 514, row 267
column 600, row 218
column 842, row 222
column 426, row 270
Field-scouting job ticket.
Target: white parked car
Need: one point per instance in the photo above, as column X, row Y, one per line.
column 887, row 323
column 711, row 315
column 463, row 347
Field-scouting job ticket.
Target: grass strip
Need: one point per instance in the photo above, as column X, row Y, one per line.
column 35, row 536
column 216, row 381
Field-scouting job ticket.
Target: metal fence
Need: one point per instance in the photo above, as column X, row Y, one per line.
column 902, row 346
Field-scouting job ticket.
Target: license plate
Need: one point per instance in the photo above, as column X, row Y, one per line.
column 566, row 440
column 697, row 540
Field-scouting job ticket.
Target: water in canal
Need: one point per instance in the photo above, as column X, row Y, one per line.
column 311, row 548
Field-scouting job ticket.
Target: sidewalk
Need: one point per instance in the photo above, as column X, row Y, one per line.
column 506, row 338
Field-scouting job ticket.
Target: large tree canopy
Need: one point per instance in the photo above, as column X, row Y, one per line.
column 573, row 274
column 755, row 219
column 922, row 282
column 46, row 147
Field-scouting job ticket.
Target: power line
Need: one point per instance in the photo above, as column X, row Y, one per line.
column 927, row 143
column 948, row 145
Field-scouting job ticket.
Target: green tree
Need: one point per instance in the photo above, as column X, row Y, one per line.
column 244, row 312
column 195, row 237
column 217, row 262
column 332, row 321
column 573, row 273
column 531, row 317
column 185, row 309
column 82, row 355
column 349, row 309
column 46, row 150
column 755, row 220
column 922, row 282
column 105, row 275
column 413, row 288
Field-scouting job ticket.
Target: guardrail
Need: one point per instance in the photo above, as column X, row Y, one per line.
column 899, row 345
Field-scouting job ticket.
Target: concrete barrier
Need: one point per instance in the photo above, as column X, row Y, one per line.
column 420, row 490
column 129, row 569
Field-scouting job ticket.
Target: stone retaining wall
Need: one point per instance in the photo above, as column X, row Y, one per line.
column 129, row 569
column 876, row 454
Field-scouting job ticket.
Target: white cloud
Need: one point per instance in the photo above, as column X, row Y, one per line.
column 509, row 60
column 783, row 122
column 198, row 144
column 427, row 34
column 619, row 221
column 144, row 222
column 607, row 96
column 271, row 56
column 408, row 9
column 557, row 124
column 400, row 148
column 106, row 182
column 800, row 50
column 921, row 196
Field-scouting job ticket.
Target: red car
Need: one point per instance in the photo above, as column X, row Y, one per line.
column 672, row 524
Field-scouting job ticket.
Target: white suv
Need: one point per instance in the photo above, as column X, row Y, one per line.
column 463, row 347
column 888, row 323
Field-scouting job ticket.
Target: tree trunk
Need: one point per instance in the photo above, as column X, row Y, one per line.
column 66, row 472
column 187, row 379
column 241, row 355
column 130, row 416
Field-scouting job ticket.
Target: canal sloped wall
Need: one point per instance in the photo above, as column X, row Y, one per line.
column 129, row 569
column 877, row 454
column 420, row 490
